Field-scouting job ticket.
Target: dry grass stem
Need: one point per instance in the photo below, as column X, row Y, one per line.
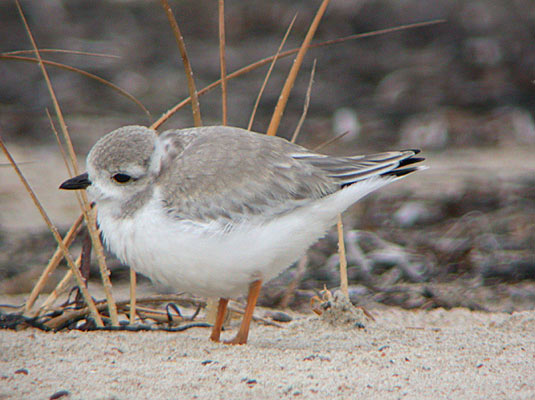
column 179, row 298
column 159, row 316
column 268, row 74
column 251, row 67
column 97, row 78
column 330, row 141
column 187, row 66
column 90, row 221
column 256, row 318
column 150, row 310
column 53, row 229
column 57, row 108
column 378, row 32
column 53, row 263
column 59, row 289
column 65, row 158
column 211, row 310
column 64, row 51
column 67, row 315
column 60, row 320
column 133, row 286
column 306, row 105
column 63, row 155
column 288, row 85
column 290, row 290
column 222, row 60
column 58, row 141
column 342, row 254
column 60, row 286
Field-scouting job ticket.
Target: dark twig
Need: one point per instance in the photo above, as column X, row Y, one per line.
column 174, row 307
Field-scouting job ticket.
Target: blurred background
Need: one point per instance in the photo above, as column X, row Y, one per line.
column 460, row 234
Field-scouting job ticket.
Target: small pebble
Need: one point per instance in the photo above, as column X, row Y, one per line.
column 279, row 316
column 22, row 371
column 59, row 394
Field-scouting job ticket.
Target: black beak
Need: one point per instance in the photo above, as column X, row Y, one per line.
column 78, row 182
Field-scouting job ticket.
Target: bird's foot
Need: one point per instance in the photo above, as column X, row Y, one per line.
column 238, row 340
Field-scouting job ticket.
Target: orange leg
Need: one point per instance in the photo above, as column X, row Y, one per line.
column 243, row 333
column 220, row 318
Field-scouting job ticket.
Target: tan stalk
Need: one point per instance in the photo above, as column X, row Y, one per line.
column 91, row 223
column 210, row 310
column 292, row 287
column 63, row 51
column 60, row 288
column 132, row 296
column 268, row 75
column 53, row 263
column 123, row 92
column 53, row 229
column 57, row 108
column 288, row 85
column 60, row 145
column 68, row 275
column 89, row 217
column 187, row 66
column 67, row 315
column 222, row 60
column 306, row 105
column 63, row 154
column 251, row 67
column 158, row 316
column 343, row 261
column 145, row 309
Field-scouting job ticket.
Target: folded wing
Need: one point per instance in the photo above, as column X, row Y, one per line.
column 229, row 174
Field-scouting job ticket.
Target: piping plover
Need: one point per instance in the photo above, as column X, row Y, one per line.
column 216, row 210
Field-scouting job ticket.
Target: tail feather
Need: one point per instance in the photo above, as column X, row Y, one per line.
column 399, row 172
column 347, row 171
column 395, row 165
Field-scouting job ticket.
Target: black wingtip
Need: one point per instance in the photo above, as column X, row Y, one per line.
column 403, row 167
column 415, row 151
column 409, row 161
column 401, row 172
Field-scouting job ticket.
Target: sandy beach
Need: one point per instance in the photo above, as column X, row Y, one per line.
column 403, row 354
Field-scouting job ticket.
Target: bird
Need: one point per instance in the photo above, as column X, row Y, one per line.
column 216, row 211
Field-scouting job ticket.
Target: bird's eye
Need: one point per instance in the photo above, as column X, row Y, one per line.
column 121, row 178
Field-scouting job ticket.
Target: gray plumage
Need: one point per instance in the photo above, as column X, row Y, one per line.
column 231, row 174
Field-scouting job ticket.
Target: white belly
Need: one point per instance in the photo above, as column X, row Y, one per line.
column 204, row 261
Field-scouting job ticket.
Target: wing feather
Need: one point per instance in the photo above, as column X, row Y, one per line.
column 229, row 174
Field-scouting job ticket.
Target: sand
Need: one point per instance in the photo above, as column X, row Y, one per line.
column 455, row 354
